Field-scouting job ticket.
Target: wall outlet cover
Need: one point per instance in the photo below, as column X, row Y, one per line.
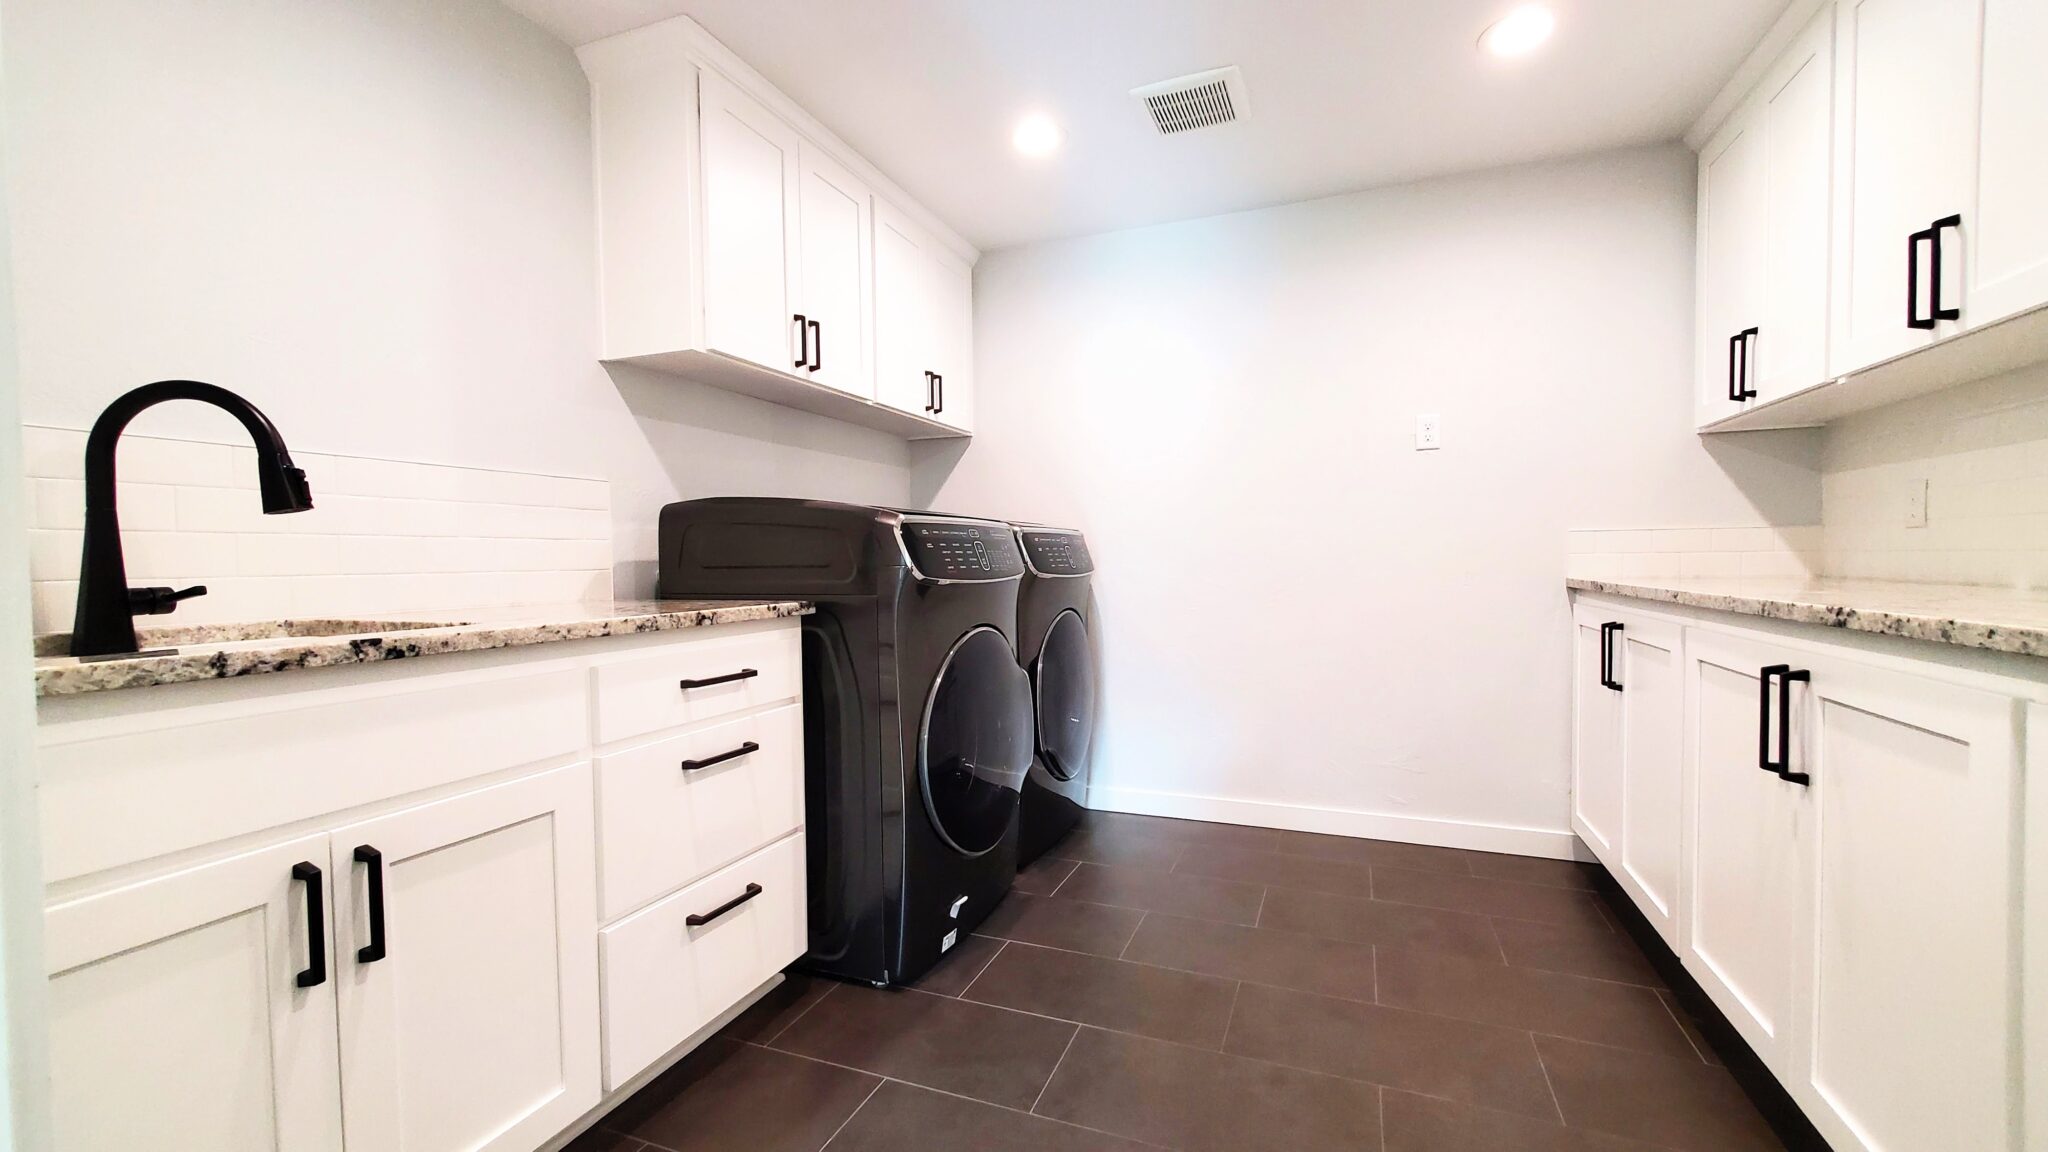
column 1429, row 432
column 1916, row 503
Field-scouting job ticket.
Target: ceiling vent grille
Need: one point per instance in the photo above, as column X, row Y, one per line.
column 1186, row 103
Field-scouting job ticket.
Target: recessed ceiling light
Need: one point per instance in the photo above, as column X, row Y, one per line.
column 1520, row 32
column 1037, row 135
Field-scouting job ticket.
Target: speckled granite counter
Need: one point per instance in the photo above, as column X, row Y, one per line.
column 223, row 651
column 1966, row 615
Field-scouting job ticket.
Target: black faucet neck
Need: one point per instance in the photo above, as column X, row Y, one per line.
column 105, row 621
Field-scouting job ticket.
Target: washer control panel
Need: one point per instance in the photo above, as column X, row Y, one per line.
column 1052, row 552
column 962, row 550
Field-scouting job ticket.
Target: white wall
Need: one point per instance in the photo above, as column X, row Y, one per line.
column 375, row 220
column 1981, row 450
column 1297, row 608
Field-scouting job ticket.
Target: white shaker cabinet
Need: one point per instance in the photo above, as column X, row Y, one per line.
column 1764, row 209
column 1628, row 704
column 834, row 218
column 742, row 245
column 924, row 349
column 1851, row 890
column 196, row 1009
column 1905, row 174
column 1908, row 972
column 2008, row 265
column 751, row 236
column 1747, row 845
column 467, row 981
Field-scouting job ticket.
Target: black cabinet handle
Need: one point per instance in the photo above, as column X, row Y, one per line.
column 722, row 757
column 803, row 338
column 817, row 343
column 931, row 396
column 1742, row 390
column 729, row 677
column 1913, row 319
column 315, row 972
column 373, row 951
column 1607, row 634
column 939, row 379
column 699, row 919
column 1734, row 377
column 1785, row 675
column 1935, row 230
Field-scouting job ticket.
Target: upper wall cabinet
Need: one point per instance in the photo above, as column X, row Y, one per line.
column 1870, row 227
column 1763, row 210
column 742, row 245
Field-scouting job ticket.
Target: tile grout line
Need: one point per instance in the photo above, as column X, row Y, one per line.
column 1071, row 873
column 1686, row 1032
column 1544, row 1066
column 1133, row 936
column 1494, row 931
column 1076, row 1034
column 1382, row 1102
column 1259, row 916
column 857, row 1111
column 779, row 1032
column 1223, row 1045
column 986, row 965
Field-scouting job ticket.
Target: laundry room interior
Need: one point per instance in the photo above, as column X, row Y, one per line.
column 943, row 576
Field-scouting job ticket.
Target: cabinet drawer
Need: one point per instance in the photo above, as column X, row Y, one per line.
column 665, row 978
column 662, row 825
column 728, row 673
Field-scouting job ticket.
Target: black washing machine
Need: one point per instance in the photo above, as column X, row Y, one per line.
column 1055, row 646
column 917, row 715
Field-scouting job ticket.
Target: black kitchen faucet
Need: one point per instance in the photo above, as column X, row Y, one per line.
column 105, row 624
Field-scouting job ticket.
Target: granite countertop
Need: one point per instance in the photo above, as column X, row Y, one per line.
column 223, row 651
column 1966, row 615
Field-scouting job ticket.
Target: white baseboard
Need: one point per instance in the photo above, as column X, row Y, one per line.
column 1556, row 844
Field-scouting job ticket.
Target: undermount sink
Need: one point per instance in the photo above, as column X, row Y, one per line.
column 233, row 632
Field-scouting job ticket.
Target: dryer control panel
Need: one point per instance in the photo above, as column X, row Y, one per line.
column 1052, row 552
column 962, row 550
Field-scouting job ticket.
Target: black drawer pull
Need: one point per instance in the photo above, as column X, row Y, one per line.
column 1785, row 675
column 315, row 973
column 1743, row 391
column 722, row 757
column 1607, row 633
column 803, row 337
column 373, row 951
column 729, row 677
column 1936, row 310
column 1913, row 319
column 817, row 346
column 699, row 919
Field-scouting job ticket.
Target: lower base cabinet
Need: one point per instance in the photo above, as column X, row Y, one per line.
column 1852, row 895
column 311, row 993
column 467, row 986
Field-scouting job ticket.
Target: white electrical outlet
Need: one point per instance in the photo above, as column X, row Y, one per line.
column 1429, row 432
column 1916, row 503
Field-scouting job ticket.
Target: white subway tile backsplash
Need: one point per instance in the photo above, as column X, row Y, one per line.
column 384, row 536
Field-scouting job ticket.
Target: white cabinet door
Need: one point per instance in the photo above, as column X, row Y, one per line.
column 1797, row 118
column 672, row 967
column 2009, row 265
column 1648, row 654
column 1733, row 236
column 1907, row 158
column 475, row 1028
column 1748, row 846
column 196, row 1010
column 751, row 242
column 952, row 286
column 905, row 314
column 837, row 258
column 1914, row 931
column 1596, row 735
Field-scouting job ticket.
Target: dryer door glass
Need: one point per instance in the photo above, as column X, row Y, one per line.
column 976, row 743
column 1065, row 681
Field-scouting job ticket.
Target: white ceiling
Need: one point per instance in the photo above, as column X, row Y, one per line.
column 1345, row 94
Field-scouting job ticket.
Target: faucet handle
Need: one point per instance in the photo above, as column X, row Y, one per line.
column 156, row 601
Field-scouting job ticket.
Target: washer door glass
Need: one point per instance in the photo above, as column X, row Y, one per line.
column 1065, row 680
column 976, row 742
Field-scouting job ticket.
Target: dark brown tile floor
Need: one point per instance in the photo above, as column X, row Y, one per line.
column 1170, row 984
